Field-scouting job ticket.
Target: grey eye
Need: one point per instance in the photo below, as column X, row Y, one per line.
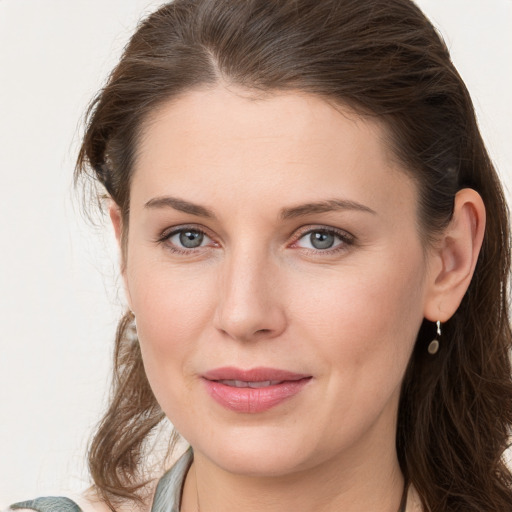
column 190, row 239
column 322, row 239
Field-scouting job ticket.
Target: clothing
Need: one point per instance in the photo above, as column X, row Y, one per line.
column 167, row 495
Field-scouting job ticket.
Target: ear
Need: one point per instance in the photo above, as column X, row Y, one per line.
column 453, row 260
column 117, row 223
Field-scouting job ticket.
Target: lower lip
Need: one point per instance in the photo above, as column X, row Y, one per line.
column 254, row 400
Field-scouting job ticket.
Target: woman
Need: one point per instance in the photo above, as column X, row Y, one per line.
column 314, row 248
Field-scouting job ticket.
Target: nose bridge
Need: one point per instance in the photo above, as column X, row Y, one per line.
column 249, row 304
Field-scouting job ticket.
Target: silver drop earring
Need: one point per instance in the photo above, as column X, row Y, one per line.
column 433, row 346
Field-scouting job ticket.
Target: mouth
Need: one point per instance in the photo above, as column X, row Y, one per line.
column 249, row 384
column 255, row 390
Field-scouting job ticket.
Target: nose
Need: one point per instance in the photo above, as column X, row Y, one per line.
column 250, row 302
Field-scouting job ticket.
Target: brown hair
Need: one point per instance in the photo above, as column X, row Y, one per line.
column 383, row 58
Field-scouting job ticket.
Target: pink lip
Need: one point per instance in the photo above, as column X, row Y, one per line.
column 248, row 399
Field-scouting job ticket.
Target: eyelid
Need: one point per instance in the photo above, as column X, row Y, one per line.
column 172, row 230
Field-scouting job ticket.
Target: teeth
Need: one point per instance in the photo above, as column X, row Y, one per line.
column 245, row 384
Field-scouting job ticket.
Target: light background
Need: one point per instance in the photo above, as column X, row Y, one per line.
column 60, row 296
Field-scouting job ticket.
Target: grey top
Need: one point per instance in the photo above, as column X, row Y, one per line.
column 167, row 495
column 168, row 491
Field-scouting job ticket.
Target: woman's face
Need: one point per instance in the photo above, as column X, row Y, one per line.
column 278, row 279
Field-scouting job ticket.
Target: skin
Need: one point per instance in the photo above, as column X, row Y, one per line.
column 257, row 293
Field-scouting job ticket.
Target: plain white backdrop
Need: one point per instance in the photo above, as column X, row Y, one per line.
column 60, row 296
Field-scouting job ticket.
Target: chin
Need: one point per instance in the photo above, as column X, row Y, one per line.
column 261, row 452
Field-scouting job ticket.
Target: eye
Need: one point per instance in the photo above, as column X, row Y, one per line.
column 185, row 239
column 323, row 240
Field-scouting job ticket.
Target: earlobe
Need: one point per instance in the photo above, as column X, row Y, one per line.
column 455, row 256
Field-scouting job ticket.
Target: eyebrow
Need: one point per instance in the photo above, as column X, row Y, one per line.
column 286, row 213
column 330, row 205
column 180, row 205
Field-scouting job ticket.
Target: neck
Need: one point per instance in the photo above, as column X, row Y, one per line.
column 373, row 482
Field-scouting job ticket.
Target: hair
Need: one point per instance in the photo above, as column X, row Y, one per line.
column 383, row 59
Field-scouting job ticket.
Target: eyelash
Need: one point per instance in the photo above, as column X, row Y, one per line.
column 346, row 239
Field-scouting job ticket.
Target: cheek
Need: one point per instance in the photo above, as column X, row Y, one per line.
column 172, row 303
column 173, row 309
column 364, row 319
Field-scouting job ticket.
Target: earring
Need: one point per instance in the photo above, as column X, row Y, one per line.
column 433, row 346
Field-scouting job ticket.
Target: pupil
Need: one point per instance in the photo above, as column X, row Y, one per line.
column 191, row 239
column 322, row 240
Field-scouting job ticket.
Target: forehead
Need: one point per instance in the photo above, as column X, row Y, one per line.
column 238, row 116
column 209, row 141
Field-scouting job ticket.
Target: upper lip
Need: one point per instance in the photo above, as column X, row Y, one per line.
column 259, row 374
